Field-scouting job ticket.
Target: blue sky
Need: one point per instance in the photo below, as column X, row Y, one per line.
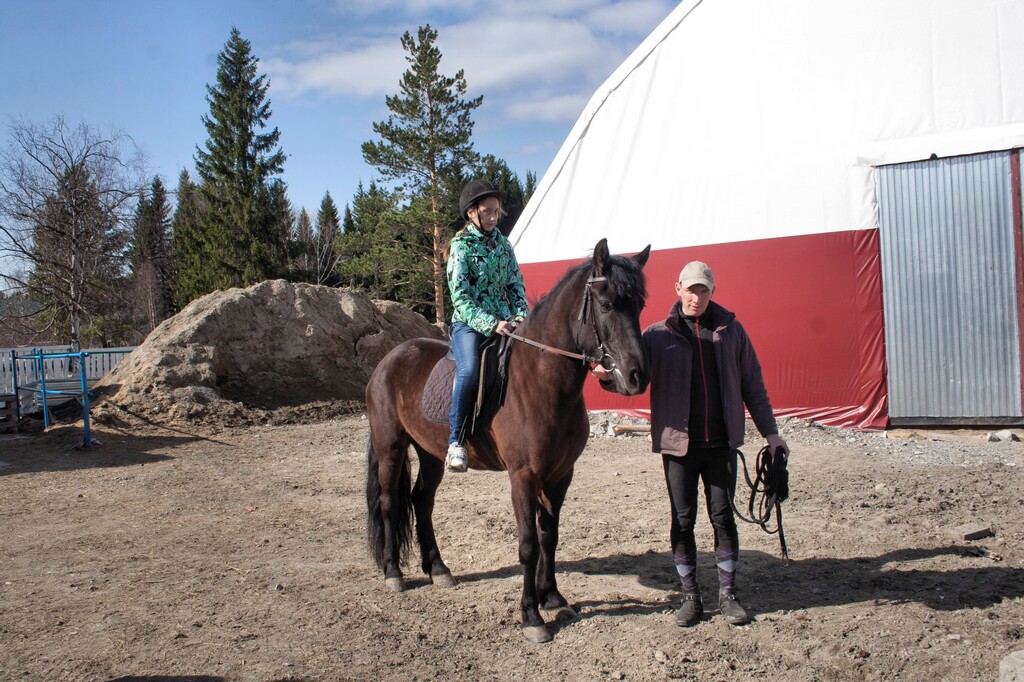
column 142, row 66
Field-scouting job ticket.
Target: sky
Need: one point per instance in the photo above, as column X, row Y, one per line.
column 142, row 67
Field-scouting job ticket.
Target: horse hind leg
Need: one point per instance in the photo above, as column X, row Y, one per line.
column 431, row 471
column 389, row 509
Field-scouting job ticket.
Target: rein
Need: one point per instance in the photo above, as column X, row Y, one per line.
column 586, row 359
column 586, row 310
column 768, row 490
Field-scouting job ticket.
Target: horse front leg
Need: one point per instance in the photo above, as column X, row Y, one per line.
column 431, row 471
column 524, row 504
column 547, row 525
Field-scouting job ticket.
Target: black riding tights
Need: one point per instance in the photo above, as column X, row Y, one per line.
column 717, row 468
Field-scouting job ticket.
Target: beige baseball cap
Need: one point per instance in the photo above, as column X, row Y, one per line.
column 696, row 272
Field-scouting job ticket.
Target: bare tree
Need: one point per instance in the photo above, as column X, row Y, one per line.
column 67, row 198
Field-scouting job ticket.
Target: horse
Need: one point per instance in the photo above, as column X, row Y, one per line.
column 536, row 436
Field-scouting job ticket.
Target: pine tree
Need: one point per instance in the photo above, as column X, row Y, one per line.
column 425, row 143
column 190, row 247
column 152, row 258
column 241, row 222
column 381, row 255
column 282, row 224
column 328, row 227
column 348, row 222
column 303, row 248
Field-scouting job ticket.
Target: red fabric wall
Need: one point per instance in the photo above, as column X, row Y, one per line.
column 812, row 305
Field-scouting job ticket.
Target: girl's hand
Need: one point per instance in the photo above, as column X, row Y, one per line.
column 504, row 328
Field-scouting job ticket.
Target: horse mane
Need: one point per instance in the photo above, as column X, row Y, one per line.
column 624, row 276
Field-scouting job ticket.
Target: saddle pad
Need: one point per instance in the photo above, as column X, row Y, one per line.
column 437, row 393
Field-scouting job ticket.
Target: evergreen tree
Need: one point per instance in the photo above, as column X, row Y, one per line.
column 381, row 255
column 190, row 243
column 152, row 258
column 328, row 226
column 425, row 143
column 531, row 184
column 282, row 224
column 241, row 222
column 348, row 222
column 303, row 249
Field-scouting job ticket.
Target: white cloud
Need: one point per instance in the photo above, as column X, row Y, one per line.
column 550, row 109
column 533, row 59
column 505, row 53
column 631, row 18
column 545, row 148
column 363, row 71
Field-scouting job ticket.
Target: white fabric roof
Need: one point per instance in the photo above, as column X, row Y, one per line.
column 752, row 119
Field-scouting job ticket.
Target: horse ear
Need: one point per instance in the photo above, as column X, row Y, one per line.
column 600, row 257
column 641, row 258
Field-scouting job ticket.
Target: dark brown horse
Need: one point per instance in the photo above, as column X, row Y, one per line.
column 537, row 436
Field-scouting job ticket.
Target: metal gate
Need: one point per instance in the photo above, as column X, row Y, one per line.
column 949, row 290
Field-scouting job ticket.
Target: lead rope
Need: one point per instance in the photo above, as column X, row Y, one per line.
column 767, row 492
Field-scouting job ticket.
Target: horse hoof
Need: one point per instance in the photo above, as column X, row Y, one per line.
column 395, row 584
column 537, row 634
column 443, row 580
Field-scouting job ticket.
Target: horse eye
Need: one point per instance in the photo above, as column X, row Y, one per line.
column 605, row 304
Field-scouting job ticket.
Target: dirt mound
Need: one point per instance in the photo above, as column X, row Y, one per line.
column 274, row 352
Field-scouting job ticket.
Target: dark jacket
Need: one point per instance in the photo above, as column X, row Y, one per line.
column 739, row 374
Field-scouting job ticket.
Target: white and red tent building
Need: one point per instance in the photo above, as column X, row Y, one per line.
column 849, row 171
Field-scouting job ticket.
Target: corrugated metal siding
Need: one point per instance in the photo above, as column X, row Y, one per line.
column 948, row 288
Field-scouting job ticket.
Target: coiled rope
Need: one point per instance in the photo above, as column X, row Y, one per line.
column 768, row 490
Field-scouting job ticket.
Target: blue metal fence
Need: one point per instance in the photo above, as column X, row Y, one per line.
column 97, row 364
column 36, row 375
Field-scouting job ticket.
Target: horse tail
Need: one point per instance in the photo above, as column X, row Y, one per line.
column 402, row 510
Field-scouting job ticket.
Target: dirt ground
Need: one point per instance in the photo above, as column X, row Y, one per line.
column 239, row 554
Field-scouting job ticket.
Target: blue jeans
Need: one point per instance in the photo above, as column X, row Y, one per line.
column 466, row 343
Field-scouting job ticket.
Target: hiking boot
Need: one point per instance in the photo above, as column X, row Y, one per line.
column 456, row 459
column 691, row 610
column 733, row 613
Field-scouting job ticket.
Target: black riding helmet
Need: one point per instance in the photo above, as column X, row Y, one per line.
column 474, row 191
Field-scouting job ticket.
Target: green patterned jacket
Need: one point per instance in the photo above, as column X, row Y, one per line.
column 484, row 280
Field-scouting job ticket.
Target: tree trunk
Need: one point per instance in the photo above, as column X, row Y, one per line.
column 438, row 264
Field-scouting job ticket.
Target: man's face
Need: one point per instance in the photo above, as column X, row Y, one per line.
column 695, row 299
column 486, row 213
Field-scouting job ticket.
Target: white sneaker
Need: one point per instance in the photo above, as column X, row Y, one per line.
column 457, row 459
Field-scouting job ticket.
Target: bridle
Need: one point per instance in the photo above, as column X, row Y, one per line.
column 586, row 313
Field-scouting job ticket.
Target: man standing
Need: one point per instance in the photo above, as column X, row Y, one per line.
column 703, row 372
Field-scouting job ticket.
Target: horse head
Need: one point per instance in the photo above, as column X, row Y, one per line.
column 617, row 292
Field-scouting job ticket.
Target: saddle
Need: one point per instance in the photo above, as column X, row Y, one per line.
column 490, row 393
